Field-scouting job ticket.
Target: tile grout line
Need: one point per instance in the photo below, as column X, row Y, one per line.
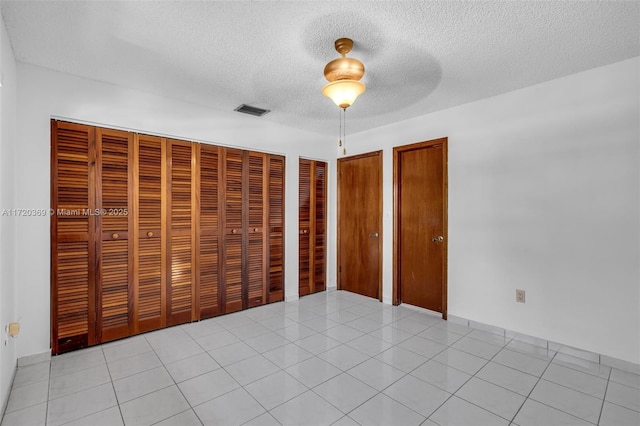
column 604, row 397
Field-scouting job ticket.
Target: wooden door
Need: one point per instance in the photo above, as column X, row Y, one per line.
column 257, row 209
column 209, row 292
column 360, row 224
column 312, row 213
column 149, row 279
column 276, row 228
column 73, row 242
column 420, row 175
column 114, row 201
column 181, row 247
column 232, row 231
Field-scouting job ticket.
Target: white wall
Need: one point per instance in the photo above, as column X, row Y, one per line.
column 7, row 235
column 43, row 94
column 543, row 196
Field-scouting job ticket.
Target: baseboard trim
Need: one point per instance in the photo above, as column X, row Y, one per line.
column 550, row 345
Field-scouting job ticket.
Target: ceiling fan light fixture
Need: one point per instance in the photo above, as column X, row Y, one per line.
column 343, row 75
column 344, row 92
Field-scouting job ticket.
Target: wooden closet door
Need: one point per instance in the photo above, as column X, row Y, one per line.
column 257, row 214
column 149, row 229
column 320, row 227
column 209, row 263
column 276, row 228
column 180, row 244
column 114, row 150
column 312, row 226
column 232, row 263
column 304, row 227
column 72, row 237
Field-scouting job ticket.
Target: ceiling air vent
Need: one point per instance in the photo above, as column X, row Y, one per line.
column 251, row 110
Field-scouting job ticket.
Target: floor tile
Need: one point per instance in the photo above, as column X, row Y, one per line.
column 28, row 395
column 391, row 334
column 534, row 413
column 313, row 371
column 573, row 402
column 343, row 357
column 345, row 392
column 576, row 380
column 320, row 323
column 287, row 355
column 401, row 358
column 266, row 342
column 76, row 361
column 277, row 323
column 232, row 353
column 317, row 343
column 508, row 378
column 133, row 365
column 77, row 381
column 109, row 417
column 376, row 373
column 343, row 333
column 441, row 375
column 169, row 354
column 31, row 374
column 424, row 347
column 217, row 340
column 265, row 419
column 369, row 345
column 623, row 395
column 189, row 368
column 346, row 421
column 141, row 384
column 522, row 362
column 487, row 337
column 275, row 389
column 251, row 369
column 460, row 360
column 306, row 409
column 234, row 408
column 167, row 337
column 365, row 325
column 623, row 377
column 477, row 347
column 136, row 346
column 454, row 328
column 440, row 335
column 492, row 398
column 154, row 407
column 82, row 404
column 343, row 316
column 383, row 411
column 202, row 328
column 615, row 415
column 234, row 320
column 531, row 350
column 410, row 326
column 30, row 416
column 583, row 365
column 186, row 418
column 207, row 386
column 249, row 331
column 296, row 332
column 420, row 396
column 459, row 412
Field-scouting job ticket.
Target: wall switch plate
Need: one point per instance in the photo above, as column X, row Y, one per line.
column 520, row 296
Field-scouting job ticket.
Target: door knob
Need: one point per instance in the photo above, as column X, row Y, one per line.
column 438, row 239
column 373, row 235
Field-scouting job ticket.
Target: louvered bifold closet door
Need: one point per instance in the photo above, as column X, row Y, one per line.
column 72, row 237
column 276, row 228
column 209, row 260
column 114, row 288
column 320, row 227
column 181, row 247
column 257, row 212
column 150, row 243
column 304, row 234
column 233, row 230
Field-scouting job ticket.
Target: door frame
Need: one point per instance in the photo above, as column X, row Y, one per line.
column 396, row 212
column 339, row 172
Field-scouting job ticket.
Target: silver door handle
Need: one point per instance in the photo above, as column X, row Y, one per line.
column 438, row 239
column 373, row 235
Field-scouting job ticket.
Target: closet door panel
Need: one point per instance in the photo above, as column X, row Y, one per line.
column 72, row 237
column 180, row 243
column 150, row 291
column 304, row 234
column 210, row 292
column 233, row 227
column 320, row 226
column 276, row 228
column 256, row 250
column 115, row 270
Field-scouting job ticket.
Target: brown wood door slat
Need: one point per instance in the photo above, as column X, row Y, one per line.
column 257, row 206
column 276, row 228
column 233, row 230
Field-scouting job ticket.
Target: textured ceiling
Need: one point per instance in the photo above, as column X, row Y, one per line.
column 420, row 56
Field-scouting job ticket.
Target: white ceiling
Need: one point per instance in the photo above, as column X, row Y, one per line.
column 420, row 56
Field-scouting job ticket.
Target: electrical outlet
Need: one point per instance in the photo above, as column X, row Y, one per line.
column 520, row 296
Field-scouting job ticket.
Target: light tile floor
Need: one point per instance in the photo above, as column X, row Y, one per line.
column 329, row 358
